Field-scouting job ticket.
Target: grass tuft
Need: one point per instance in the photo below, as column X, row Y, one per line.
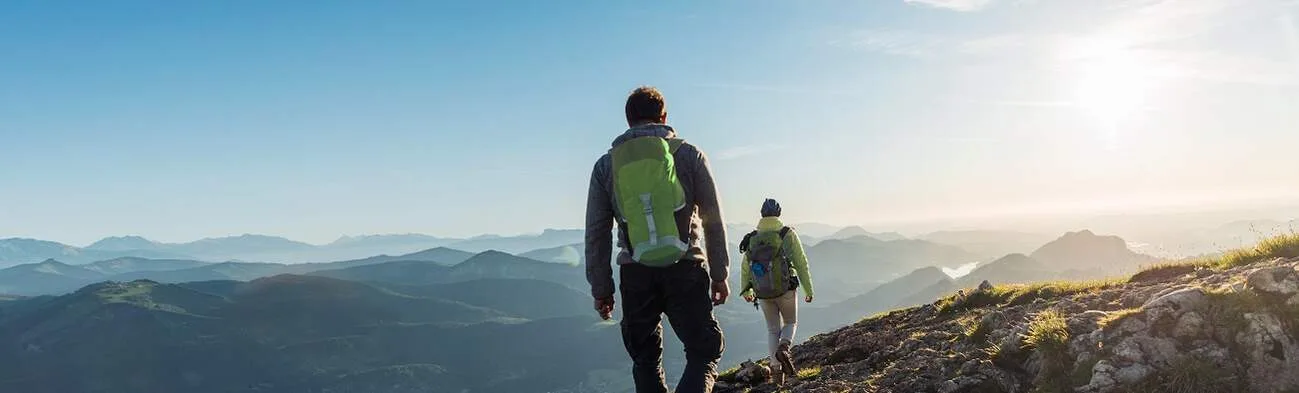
column 975, row 329
column 1280, row 246
column 809, row 373
column 1048, row 334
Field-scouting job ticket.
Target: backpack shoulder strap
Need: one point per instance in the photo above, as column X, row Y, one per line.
column 674, row 144
column 784, row 231
column 744, row 243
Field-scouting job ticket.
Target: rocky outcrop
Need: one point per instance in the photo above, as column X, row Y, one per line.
column 1198, row 329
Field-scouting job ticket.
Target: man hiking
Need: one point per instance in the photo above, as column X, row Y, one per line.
column 660, row 191
column 774, row 268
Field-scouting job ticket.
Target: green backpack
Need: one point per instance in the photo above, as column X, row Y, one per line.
column 772, row 275
column 648, row 195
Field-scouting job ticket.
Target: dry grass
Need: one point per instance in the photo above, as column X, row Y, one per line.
column 975, row 328
column 1114, row 317
column 1048, row 334
column 1279, row 246
column 1020, row 294
column 809, row 373
column 1168, row 271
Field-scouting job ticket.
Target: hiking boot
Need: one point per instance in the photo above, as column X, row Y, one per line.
column 782, row 356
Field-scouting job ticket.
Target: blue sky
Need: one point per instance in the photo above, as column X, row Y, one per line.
column 180, row 120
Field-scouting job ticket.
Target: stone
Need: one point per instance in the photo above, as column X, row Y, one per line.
column 1102, row 378
column 1189, row 325
column 1132, row 373
column 1212, row 352
column 1157, row 351
column 1279, row 280
column 1128, row 351
column 1132, row 324
column 984, row 286
column 1174, row 304
column 1085, row 322
column 752, row 373
column 948, row 386
column 1270, row 356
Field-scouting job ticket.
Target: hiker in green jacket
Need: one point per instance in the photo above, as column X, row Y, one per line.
column 774, row 268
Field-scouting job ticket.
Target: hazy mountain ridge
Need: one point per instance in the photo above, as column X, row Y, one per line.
column 54, row 277
column 287, row 333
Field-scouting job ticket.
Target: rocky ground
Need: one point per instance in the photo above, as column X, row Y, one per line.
column 1175, row 328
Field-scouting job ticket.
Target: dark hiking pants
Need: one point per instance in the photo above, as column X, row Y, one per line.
column 683, row 292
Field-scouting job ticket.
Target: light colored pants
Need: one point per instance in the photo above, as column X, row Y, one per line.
column 782, row 318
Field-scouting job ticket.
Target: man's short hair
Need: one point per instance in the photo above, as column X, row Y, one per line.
column 645, row 105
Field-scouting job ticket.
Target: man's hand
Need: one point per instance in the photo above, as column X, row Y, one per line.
column 604, row 307
column 748, row 297
column 808, row 299
column 721, row 290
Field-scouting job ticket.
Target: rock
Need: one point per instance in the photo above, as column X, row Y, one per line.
column 1085, row 322
column 984, row 286
column 1174, row 304
column 1132, row 373
column 1280, row 280
column 1270, row 356
column 1102, row 378
column 1069, row 306
column 1132, row 324
column 948, row 386
column 1189, row 326
column 752, row 373
column 1157, row 351
column 1085, row 344
column 1212, row 352
column 1127, row 351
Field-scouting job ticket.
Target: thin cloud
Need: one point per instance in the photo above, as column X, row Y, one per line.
column 898, row 43
column 745, row 151
column 954, row 5
column 1166, row 36
column 774, row 89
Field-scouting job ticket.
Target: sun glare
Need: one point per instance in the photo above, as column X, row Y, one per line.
column 1112, row 89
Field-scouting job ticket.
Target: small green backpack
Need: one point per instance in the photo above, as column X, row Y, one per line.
column 648, row 195
column 772, row 275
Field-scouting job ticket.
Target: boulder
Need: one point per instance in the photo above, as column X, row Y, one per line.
column 1278, row 280
column 1173, row 304
column 752, row 373
column 1189, row 326
column 1102, row 378
column 1270, row 355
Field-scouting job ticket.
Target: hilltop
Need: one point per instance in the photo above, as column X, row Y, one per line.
column 1218, row 325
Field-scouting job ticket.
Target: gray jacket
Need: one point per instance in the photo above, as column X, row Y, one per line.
column 702, row 210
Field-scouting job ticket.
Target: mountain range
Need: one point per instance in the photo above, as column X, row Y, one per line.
column 433, row 320
column 447, row 265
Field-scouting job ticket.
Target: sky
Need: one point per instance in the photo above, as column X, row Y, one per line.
column 183, row 120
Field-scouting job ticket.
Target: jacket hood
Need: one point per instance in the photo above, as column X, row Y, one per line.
column 770, row 224
column 660, row 130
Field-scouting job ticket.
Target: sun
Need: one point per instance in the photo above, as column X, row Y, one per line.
column 1112, row 89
